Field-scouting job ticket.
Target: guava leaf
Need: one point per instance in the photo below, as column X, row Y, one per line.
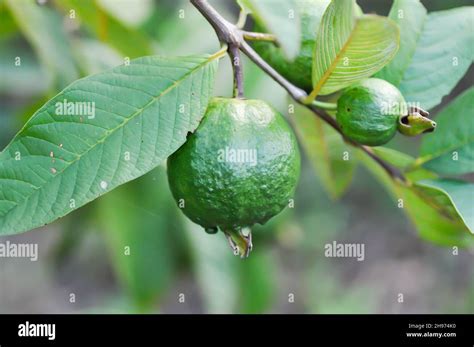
column 434, row 72
column 410, row 16
column 436, row 221
column 405, row 163
column 350, row 48
column 432, row 212
column 460, row 195
column 450, row 150
column 64, row 158
column 139, row 242
column 43, row 29
column 443, row 53
column 394, row 157
column 331, row 158
column 279, row 17
column 107, row 28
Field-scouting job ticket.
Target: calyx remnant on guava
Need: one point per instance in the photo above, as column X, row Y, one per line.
column 239, row 168
column 416, row 122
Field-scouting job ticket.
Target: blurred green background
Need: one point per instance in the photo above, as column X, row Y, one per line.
column 133, row 251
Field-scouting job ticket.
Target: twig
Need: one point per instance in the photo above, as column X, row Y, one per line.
column 252, row 36
column 392, row 171
column 234, row 37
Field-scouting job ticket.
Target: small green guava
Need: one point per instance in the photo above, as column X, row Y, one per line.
column 239, row 168
column 368, row 111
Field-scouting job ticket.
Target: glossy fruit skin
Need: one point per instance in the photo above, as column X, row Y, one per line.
column 368, row 111
column 221, row 191
column 299, row 70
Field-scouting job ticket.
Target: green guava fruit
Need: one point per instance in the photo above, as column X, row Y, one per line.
column 369, row 111
column 298, row 71
column 239, row 168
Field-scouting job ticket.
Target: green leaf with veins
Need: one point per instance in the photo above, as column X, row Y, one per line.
column 350, row 48
column 410, row 17
column 43, row 29
column 142, row 112
column 326, row 150
column 394, row 157
column 460, row 195
column 403, row 162
column 435, row 54
column 450, row 150
column 435, row 218
column 279, row 17
column 431, row 211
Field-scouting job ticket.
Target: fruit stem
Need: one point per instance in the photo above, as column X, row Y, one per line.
column 234, row 54
column 329, row 106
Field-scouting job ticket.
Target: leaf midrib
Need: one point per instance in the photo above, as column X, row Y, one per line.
column 112, row 131
column 433, row 156
column 442, row 190
column 333, row 65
